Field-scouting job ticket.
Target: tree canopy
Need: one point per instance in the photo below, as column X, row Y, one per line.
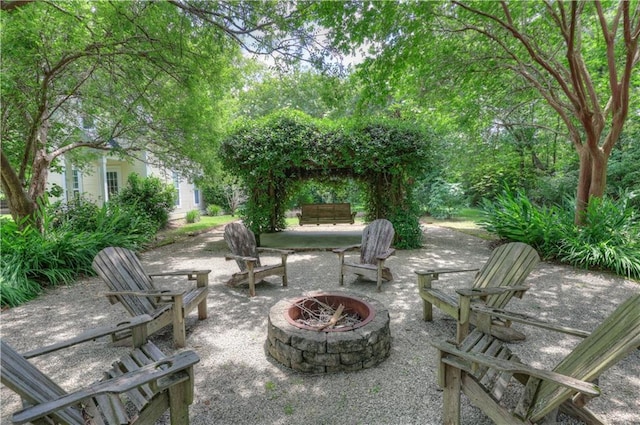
column 163, row 77
column 126, row 77
column 578, row 57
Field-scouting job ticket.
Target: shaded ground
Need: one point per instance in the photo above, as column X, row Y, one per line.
column 237, row 384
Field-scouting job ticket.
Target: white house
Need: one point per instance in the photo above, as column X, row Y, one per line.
column 108, row 175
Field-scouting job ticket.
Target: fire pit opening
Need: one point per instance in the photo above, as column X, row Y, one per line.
column 330, row 313
column 329, row 332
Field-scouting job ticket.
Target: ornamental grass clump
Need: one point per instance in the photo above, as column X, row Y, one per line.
column 609, row 238
column 72, row 235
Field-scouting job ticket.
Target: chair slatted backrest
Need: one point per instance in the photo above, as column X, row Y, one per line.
column 241, row 241
column 32, row 385
column 122, row 271
column 377, row 237
column 508, row 265
column 610, row 342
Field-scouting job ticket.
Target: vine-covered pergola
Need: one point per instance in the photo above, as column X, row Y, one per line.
column 273, row 154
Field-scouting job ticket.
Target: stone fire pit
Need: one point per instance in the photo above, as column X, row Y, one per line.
column 307, row 348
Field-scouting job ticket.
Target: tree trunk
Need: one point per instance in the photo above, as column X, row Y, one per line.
column 24, row 204
column 20, row 203
column 592, row 180
column 584, row 185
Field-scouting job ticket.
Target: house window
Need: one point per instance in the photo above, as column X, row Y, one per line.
column 176, row 184
column 75, row 184
column 196, row 196
column 112, row 182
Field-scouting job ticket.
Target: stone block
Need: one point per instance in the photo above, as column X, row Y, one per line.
column 321, row 359
column 341, row 342
column 309, row 341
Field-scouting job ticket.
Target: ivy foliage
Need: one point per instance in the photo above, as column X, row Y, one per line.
column 270, row 155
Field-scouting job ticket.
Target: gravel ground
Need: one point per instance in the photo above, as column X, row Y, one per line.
column 237, row 384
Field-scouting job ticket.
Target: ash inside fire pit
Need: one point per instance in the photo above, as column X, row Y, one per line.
column 329, row 332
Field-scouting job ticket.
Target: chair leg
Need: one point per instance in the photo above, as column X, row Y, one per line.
column 451, row 396
column 252, row 284
column 424, row 282
column 202, row 281
column 178, row 407
column 202, row 309
column 252, row 278
column 179, row 332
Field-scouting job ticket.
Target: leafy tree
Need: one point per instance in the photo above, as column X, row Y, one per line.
column 124, row 77
column 141, row 76
column 578, row 57
column 590, row 95
column 317, row 94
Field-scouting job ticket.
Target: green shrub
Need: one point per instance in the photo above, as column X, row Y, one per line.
column 408, row 233
column 444, row 199
column 193, row 216
column 15, row 287
column 213, row 210
column 148, row 196
column 31, row 260
column 512, row 216
column 79, row 214
column 609, row 238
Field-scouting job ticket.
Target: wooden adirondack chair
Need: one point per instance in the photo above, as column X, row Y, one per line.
column 500, row 279
column 242, row 244
column 131, row 286
column 375, row 248
column 482, row 366
column 151, row 382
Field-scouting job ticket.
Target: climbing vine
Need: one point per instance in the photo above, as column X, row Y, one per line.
column 273, row 153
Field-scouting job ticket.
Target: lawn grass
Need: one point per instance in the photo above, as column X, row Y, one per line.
column 179, row 229
column 465, row 221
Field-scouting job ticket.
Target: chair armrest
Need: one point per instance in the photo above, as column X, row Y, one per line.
column 426, row 277
column 527, row 320
column 346, row 248
column 148, row 374
column 90, row 335
column 512, row 367
column 181, row 273
column 443, row 271
column 494, row 290
column 146, row 294
column 241, row 258
column 386, row 254
column 277, row 251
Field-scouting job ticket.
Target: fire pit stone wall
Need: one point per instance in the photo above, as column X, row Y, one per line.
column 315, row 351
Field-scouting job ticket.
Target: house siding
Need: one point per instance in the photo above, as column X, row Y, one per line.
column 94, row 188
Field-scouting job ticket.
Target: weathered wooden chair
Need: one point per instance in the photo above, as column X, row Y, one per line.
column 242, row 244
column 138, row 388
column 500, row 279
column 375, row 248
column 131, row 286
column 482, row 367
